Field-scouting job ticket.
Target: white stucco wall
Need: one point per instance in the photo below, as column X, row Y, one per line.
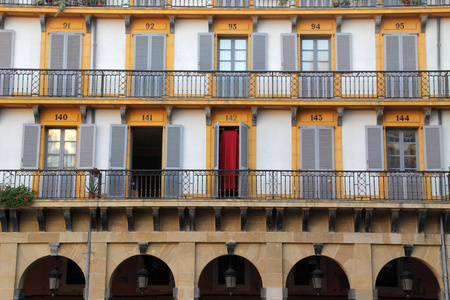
column 186, row 43
column 354, row 138
column 273, row 140
column 103, row 120
column 110, row 44
column 445, row 42
column 431, row 44
column 194, row 137
column 274, row 28
column 27, row 41
column 11, row 131
column 363, row 38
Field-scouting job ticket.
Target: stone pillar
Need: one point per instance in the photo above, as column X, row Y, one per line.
column 360, row 277
column 273, row 289
column 185, row 272
column 97, row 277
column 8, row 260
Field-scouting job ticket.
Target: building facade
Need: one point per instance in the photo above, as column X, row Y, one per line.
column 185, row 138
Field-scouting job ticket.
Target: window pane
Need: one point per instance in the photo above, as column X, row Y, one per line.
column 307, row 66
column 409, row 136
column 410, row 149
column 240, row 66
column 54, row 134
column 70, row 148
column 393, row 149
column 240, row 44
column 225, row 66
column 240, row 55
column 225, row 44
column 323, row 66
column 225, row 55
column 410, row 162
column 70, row 135
column 307, row 56
column 393, row 162
column 69, row 161
column 53, row 147
column 307, row 44
column 322, row 56
column 52, row 161
column 322, row 44
column 392, row 136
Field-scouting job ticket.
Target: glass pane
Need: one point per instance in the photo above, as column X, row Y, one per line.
column 393, row 149
column 69, row 161
column 240, row 66
column 307, row 55
column 307, row 66
column 392, row 136
column 240, row 44
column 307, row 44
column 393, row 162
column 410, row 162
column 225, row 44
column 225, row 55
column 322, row 44
column 70, row 148
column 322, row 56
column 323, row 66
column 225, row 66
column 52, row 161
column 70, row 135
column 240, row 55
column 410, row 149
column 53, row 148
column 409, row 136
column 54, row 134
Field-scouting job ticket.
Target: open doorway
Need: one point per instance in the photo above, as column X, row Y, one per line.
column 146, row 154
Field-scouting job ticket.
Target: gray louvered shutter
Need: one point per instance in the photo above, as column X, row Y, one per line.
column 409, row 52
column 243, row 160
column 216, row 146
column 259, row 51
column 31, row 142
column 6, row 48
column 326, row 147
column 56, row 53
column 86, row 146
column 307, row 148
column 158, row 51
column 206, row 51
column 118, row 147
column 74, row 43
column 174, row 144
column 374, row 148
column 392, row 52
column 343, row 51
column 432, row 136
column 141, row 52
column 289, row 52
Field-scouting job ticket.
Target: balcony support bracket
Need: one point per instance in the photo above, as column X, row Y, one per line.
column 255, row 24
column 42, row 20
column 338, row 24
column 36, row 114
column 305, row 219
column 422, row 217
column 53, row 249
column 243, row 219
column 218, row 218
column 181, row 219
column 2, row 21
column 423, row 24
column 208, row 116
column 394, row 220
column 4, row 220
column 318, row 249
column 156, row 219
column 68, row 219
column 143, row 246
column 172, row 24
column 254, row 115
column 357, row 220
column 280, row 212
column 41, row 217
column 332, row 220
column 83, row 113
column 408, row 248
column 14, row 215
column 294, row 24
column 294, row 116
column 427, row 115
column 169, row 114
column 210, row 24
column 93, row 218
column 377, row 24
column 123, row 115
column 368, row 220
column 127, row 24
column 340, row 115
column 104, row 218
column 88, row 21
column 380, row 112
column 192, row 219
column 269, row 220
column 130, row 219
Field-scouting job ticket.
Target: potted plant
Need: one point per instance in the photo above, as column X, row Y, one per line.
column 95, row 172
column 60, row 3
column 92, row 190
column 17, row 197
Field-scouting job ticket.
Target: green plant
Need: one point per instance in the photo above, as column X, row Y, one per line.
column 92, row 189
column 60, row 3
column 17, row 197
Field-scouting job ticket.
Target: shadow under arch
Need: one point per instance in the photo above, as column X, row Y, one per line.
column 212, row 281
column 335, row 281
column 124, row 282
column 388, row 281
column 35, row 283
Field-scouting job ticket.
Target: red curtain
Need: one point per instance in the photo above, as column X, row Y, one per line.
column 229, row 160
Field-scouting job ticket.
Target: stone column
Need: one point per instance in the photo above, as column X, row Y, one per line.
column 8, row 260
column 273, row 289
column 97, row 278
column 361, row 275
column 185, row 271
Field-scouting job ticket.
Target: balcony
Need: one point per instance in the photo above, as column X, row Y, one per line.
column 354, row 85
column 214, row 185
column 256, row 4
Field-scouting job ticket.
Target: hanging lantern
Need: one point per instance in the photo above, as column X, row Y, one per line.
column 54, row 280
column 142, row 277
column 407, row 282
column 317, row 280
column 230, row 279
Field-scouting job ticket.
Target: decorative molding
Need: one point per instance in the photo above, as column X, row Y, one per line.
column 394, row 220
column 294, row 24
column 127, row 24
column 123, row 115
column 130, row 219
column 422, row 217
column 377, row 24
column 92, row 112
column 169, row 115
column 340, row 115
column 380, row 112
column 218, row 218
column 156, row 220
column 254, row 115
column 93, row 219
column 332, row 220
column 104, row 218
column 41, row 217
column 368, row 220
column 318, row 249
column 243, row 219
column 231, row 246
column 269, row 219
column 294, row 116
column 54, row 247
column 338, row 24
column 14, row 215
column 255, row 24
column 305, row 220
column 42, row 20
column 210, row 24
column 181, row 219
column 357, row 220
column 2, row 21
column 280, row 212
column 68, row 219
column 423, row 24
column 83, row 112
column 172, row 24
column 408, row 248
column 427, row 115
column 192, row 219
column 88, row 21
column 208, row 116
column 36, row 114
column 143, row 246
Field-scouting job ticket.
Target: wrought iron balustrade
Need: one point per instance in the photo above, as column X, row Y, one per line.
column 354, row 85
column 239, row 184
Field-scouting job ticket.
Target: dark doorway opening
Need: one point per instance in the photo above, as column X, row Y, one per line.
column 229, row 160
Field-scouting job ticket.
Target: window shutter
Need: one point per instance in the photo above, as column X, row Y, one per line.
column 374, row 148
column 326, row 147
column 30, row 146
column 307, row 147
column 6, row 48
column 432, row 136
column 259, row 51
column 86, row 146
column 243, row 146
column 141, row 49
column 289, row 51
column 206, row 51
column 158, row 51
column 343, row 51
column 74, row 42
column 118, row 147
column 174, row 144
column 392, row 52
column 409, row 51
column 56, row 52
column 216, row 146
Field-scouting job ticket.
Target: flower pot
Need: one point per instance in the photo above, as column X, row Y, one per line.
column 92, row 196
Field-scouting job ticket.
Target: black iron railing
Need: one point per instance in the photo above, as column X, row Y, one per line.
column 357, row 85
column 282, row 4
column 240, row 184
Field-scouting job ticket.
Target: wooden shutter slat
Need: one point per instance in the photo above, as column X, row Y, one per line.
column 173, row 147
column 158, row 52
column 409, row 51
column 216, row 146
column 392, row 52
column 86, row 146
column 343, row 51
column 325, row 147
column 141, row 48
column 57, row 42
column 259, row 51
column 243, row 146
column 118, row 146
column 74, row 43
column 307, row 148
column 6, row 48
column 432, row 136
column 206, row 51
column 289, row 51
column 31, row 141
column 374, row 148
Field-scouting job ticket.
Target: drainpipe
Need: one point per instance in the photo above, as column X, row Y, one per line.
column 444, row 258
column 94, row 43
column 438, row 43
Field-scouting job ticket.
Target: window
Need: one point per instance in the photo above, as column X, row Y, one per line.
column 61, row 149
column 6, row 62
column 401, row 149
